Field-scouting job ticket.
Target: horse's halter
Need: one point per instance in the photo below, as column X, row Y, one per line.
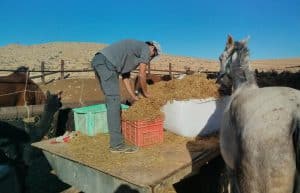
column 226, row 59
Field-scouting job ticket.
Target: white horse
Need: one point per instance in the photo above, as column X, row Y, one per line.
column 259, row 136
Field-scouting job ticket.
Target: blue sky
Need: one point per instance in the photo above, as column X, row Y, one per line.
column 186, row 28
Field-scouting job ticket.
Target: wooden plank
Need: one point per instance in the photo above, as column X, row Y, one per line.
column 34, row 110
column 168, row 162
column 88, row 179
column 71, row 190
column 62, row 68
column 45, row 74
column 20, row 111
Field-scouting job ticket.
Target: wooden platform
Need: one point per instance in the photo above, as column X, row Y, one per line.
column 151, row 170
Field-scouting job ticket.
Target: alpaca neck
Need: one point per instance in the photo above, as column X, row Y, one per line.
column 43, row 126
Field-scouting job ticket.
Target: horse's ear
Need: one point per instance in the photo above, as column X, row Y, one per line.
column 229, row 40
column 59, row 94
column 245, row 40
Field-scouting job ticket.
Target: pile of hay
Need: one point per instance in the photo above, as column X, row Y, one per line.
column 190, row 87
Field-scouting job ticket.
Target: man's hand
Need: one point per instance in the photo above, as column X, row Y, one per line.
column 143, row 79
column 127, row 83
column 147, row 95
column 135, row 98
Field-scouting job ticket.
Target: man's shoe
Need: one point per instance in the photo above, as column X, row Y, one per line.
column 123, row 148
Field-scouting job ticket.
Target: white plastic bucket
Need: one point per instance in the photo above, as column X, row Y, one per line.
column 196, row 117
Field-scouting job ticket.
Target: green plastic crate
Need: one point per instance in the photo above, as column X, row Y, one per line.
column 91, row 120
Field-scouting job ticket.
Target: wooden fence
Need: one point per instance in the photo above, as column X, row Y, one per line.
column 21, row 111
column 16, row 112
column 63, row 72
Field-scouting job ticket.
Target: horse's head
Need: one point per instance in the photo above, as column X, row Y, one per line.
column 53, row 102
column 233, row 61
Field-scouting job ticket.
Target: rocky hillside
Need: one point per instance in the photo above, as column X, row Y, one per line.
column 78, row 56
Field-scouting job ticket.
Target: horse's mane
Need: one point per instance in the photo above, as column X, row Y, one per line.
column 241, row 69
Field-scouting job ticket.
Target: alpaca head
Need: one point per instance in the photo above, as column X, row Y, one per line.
column 53, row 101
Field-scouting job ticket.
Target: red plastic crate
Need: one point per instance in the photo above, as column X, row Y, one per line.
column 143, row 133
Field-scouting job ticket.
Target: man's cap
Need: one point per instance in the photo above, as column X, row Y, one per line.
column 156, row 45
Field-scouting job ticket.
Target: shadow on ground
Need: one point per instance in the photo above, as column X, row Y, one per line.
column 41, row 180
column 209, row 179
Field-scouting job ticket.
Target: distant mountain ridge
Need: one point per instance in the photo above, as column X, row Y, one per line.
column 77, row 55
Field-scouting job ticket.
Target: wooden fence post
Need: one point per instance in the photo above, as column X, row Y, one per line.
column 170, row 71
column 43, row 72
column 62, row 69
column 149, row 69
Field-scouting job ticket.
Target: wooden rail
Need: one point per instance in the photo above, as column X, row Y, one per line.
column 14, row 112
column 62, row 71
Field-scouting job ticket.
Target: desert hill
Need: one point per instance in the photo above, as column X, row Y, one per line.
column 78, row 56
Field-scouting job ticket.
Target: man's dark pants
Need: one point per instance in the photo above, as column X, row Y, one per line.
column 109, row 81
